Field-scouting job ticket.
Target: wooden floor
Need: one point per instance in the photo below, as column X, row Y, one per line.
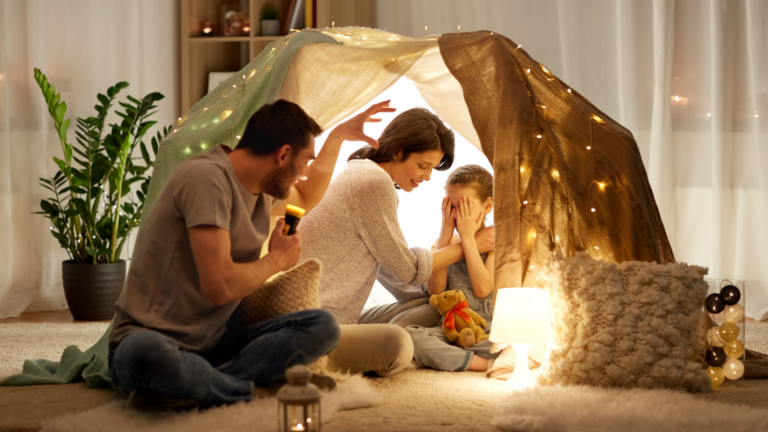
column 60, row 316
column 63, row 316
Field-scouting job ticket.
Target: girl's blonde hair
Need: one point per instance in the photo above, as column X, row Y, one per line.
column 473, row 176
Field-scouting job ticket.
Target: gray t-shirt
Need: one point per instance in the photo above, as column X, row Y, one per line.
column 162, row 291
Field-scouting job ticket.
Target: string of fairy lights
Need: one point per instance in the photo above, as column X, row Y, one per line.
column 540, row 109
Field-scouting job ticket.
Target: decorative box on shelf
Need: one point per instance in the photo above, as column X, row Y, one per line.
column 726, row 336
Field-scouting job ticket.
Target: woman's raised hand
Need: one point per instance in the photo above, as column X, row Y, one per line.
column 353, row 129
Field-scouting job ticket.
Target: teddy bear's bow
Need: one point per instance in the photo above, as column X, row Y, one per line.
column 458, row 310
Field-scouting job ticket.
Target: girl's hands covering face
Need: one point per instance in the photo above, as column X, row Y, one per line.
column 448, row 222
column 467, row 221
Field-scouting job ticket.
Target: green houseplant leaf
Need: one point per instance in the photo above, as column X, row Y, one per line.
column 93, row 206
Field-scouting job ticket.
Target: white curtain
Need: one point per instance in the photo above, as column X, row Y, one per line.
column 687, row 77
column 83, row 47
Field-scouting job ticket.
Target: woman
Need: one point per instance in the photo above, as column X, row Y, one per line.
column 355, row 234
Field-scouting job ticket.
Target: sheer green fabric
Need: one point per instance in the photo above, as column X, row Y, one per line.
column 220, row 117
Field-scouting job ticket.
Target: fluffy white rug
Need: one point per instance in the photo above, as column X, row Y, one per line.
column 579, row 408
column 259, row 415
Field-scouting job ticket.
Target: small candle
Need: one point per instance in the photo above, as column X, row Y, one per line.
column 247, row 29
column 207, row 29
column 297, row 428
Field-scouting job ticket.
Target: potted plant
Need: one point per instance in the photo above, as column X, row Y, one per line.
column 270, row 25
column 94, row 207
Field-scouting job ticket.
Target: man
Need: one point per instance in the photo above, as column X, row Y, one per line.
column 197, row 256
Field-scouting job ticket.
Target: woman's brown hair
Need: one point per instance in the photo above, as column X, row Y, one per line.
column 474, row 176
column 414, row 131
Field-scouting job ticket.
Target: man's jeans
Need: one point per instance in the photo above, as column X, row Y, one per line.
column 259, row 353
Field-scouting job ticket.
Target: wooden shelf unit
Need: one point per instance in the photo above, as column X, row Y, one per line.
column 201, row 55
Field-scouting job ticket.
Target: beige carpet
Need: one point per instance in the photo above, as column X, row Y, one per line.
column 420, row 400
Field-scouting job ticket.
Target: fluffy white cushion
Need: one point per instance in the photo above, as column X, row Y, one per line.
column 634, row 324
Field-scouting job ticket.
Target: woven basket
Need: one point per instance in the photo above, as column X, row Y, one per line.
column 293, row 291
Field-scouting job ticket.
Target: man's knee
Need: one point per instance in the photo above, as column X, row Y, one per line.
column 324, row 327
column 145, row 349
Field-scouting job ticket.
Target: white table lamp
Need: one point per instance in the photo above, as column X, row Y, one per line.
column 521, row 318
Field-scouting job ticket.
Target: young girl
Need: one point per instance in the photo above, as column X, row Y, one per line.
column 469, row 192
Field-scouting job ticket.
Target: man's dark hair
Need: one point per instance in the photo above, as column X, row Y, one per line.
column 277, row 124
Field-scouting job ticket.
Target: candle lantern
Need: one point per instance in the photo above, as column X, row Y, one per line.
column 298, row 407
column 207, row 29
column 725, row 339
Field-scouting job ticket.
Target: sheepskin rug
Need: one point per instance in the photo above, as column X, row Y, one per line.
column 634, row 324
column 258, row 415
column 582, row 408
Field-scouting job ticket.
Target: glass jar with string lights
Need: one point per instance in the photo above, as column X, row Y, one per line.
column 726, row 336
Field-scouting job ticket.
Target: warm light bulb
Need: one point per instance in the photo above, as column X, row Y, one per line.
column 528, row 70
column 569, row 90
column 557, row 238
column 589, row 147
column 602, row 185
column 238, row 136
column 179, row 119
column 175, row 130
column 234, row 86
column 538, row 136
column 525, row 202
column 593, row 209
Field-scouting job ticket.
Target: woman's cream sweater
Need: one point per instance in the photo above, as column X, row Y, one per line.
column 355, row 234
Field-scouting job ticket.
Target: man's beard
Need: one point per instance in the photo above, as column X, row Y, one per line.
column 279, row 183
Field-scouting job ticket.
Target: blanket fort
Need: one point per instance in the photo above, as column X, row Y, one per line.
column 567, row 177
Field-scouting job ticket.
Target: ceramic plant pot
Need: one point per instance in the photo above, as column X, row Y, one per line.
column 92, row 290
column 270, row 27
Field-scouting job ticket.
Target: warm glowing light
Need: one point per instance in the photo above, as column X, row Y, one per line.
column 205, row 108
column 589, row 147
column 234, row 86
column 179, row 119
column 273, row 49
column 557, row 238
column 525, row 202
column 528, row 71
column 458, row 30
column 597, row 248
column 519, row 46
column 569, row 90
column 522, row 169
column 597, row 119
column 531, row 267
column 238, row 136
column 175, row 130
column 538, row 136
column 333, row 24
column 226, row 114
column 709, row 114
column 555, row 174
column 677, row 98
column 593, row 209
column 602, row 185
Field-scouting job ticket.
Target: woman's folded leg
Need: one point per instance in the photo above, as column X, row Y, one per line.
column 384, row 349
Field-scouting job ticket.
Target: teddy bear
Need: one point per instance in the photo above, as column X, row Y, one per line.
column 461, row 325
